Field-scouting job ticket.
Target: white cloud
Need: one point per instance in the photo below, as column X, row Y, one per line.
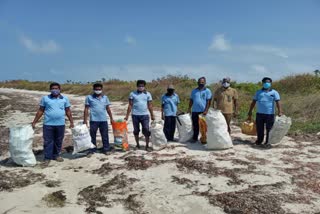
column 45, row 47
column 130, row 40
column 269, row 49
column 219, row 43
column 260, row 69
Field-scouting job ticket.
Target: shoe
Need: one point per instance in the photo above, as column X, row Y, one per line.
column 193, row 141
column 267, row 146
column 257, row 143
column 45, row 163
column 59, row 159
column 149, row 149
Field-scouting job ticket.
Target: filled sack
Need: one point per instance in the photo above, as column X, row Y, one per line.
column 248, row 128
column 280, row 128
column 120, row 133
column 203, row 129
column 81, row 138
column 158, row 137
column 184, row 126
column 217, row 136
column 20, row 145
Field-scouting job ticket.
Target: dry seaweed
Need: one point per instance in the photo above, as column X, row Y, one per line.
column 10, row 180
column 55, row 199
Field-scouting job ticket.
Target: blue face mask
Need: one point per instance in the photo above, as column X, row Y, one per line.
column 55, row 92
column 266, row 85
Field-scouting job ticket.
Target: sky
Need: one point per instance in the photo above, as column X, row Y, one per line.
column 86, row 41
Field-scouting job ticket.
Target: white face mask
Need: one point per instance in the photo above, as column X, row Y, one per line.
column 226, row 84
column 98, row 92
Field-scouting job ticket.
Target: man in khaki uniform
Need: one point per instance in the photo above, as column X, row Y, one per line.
column 226, row 98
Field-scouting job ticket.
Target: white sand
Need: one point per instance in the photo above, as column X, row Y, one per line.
column 155, row 187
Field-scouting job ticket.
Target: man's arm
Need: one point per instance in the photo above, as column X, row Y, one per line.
column 207, row 107
column 69, row 115
column 129, row 109
column 110, row 113
column 279, row 107
column 253, row 103
column 235, row 103
column 190, row 105
column 85, row 115
column 150, row 107
column 38, row 116
column 162, row 113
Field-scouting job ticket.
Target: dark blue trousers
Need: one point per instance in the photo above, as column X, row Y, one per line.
column 53, row 138
column 103, row 128
column 144, row 121
column 263, row 121
column 169, row 127
column 195, row 124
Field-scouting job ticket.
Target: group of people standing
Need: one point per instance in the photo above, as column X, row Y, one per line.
column 55, row 106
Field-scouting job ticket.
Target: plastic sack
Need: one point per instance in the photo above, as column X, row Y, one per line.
column 280, row 128
column 248, row 128
column 158, row 137
column 20, row 145
column 184, row 126
column 81, row 138
column 217, row 136
column 120, row 133
column 203, row 129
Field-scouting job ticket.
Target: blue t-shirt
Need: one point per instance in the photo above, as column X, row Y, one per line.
column 140, row 102
column 200, row 98
column 98, row 107
column 170, row 104
column 54, row 109
column 265, row 100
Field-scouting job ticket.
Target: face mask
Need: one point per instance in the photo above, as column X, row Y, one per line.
column 141, row 88
column 97, row 92
column 266, row 85
column 226, row 84
column 55, row 92
column 201, row 85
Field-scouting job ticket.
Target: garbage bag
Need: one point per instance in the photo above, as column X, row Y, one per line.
column 120, row 133
column 158, row 137
column 81, row 138
column 184, row 126
column 280, row 128
column 217, row 136
column 203, row 129
column 248, row 128
column 20, row 145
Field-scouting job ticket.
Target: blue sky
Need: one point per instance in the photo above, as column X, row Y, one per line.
column 134, row 39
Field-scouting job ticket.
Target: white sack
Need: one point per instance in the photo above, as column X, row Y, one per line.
column 280, row 128
column 20, row 145
column 217, row 135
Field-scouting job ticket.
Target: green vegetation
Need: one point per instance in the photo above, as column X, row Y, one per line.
column 300, row 94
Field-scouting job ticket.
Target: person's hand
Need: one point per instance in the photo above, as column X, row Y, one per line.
column 280, row 113
column 205, row 113
column 162, row 117
column 112, row 121
column 152, row 117
column 189, row 111
column 86, row 123
column 126, row 118
column 71, row 125
column 33, row 125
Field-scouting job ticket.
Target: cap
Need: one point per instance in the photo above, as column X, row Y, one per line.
column 226, row 79
column 170, row 86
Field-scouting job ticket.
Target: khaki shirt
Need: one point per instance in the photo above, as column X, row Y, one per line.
column 224, row 98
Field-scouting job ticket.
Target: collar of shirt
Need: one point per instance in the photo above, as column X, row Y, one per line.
column 203, row 89
column 266, row 90
column 139, row 92
column 51, row 97
column 96, row 96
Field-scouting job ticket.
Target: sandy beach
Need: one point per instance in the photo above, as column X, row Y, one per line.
column 180, row 178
